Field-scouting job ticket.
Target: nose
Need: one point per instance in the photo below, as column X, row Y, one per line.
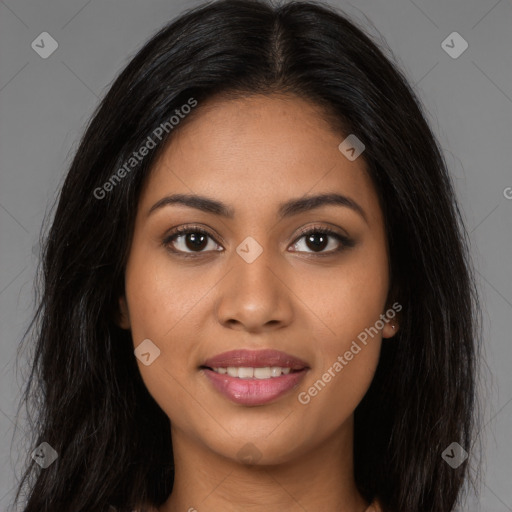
column 256, row 297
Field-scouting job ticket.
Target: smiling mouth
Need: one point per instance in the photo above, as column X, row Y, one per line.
column 254, row 377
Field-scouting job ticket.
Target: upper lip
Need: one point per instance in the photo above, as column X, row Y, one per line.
column 255, row 359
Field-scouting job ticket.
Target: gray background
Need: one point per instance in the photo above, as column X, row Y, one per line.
column 44, row 104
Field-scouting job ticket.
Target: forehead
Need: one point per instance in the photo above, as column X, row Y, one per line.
column 256, row 151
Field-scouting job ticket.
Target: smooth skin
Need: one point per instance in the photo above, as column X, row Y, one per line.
column 306, row 299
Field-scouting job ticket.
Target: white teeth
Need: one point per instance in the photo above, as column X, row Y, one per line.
column 263, row 373
column 232, row 371
column 245, row 372
column 276, row 371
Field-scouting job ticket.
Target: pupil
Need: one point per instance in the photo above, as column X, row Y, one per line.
column 320, row 245
column 197, row 243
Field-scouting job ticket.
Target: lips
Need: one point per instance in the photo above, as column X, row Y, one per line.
column 261, row 389
column 255, row 359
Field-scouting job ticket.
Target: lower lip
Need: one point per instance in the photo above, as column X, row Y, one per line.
column 254, row 391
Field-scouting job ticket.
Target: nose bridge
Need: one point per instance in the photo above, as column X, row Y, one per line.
column 254, row 266
column 253, row 294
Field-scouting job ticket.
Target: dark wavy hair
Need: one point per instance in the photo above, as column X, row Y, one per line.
column 85, row 396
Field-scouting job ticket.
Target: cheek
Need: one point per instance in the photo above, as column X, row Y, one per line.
column 349, row 301
column 348, row 298
column 162, row 300
column 346, row 361
column 151, row 316
column 330, row 397
column 159, row 294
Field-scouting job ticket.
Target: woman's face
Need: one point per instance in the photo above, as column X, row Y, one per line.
column 255, row 282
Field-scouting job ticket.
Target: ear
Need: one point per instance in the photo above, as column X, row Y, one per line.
column 123, row 316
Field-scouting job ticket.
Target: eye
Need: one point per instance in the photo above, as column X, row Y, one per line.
column 317, row 239
column 188, row 237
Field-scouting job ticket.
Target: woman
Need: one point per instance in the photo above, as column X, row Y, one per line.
column 256, row 293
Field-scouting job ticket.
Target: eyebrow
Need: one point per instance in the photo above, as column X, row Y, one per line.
column 286, row 209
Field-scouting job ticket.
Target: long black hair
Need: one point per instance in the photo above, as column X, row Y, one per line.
column 85, row 395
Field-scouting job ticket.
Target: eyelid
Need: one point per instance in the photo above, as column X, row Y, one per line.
column 190, row 228
column 319, row 228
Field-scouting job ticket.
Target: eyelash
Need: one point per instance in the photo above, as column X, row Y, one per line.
column 345, row 242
